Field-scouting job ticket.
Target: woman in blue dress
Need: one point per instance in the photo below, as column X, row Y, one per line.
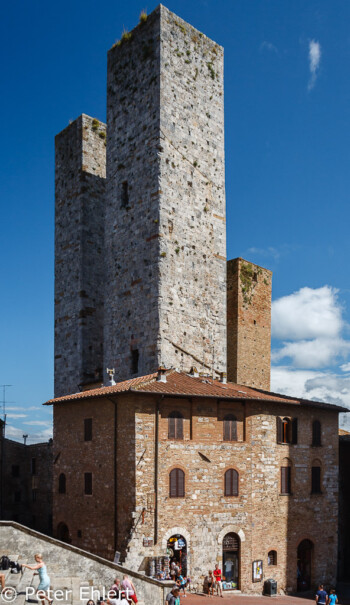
column 44, row 584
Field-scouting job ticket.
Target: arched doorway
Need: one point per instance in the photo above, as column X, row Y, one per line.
column 63, row 533
column 230, row 561
column 304, row 565
column 177, row 551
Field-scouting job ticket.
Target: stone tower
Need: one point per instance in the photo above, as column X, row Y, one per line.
column 248, row 324
column 165, row 239
column 79, row 264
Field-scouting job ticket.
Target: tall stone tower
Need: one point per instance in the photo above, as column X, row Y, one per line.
column 165, row 239
column 79, row 263
column 248, row 324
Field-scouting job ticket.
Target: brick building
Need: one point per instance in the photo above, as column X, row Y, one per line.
column 237, row 475
column 26, row 483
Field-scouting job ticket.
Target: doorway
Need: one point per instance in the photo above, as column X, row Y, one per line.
column 177, row 551
column 304, row 565
column 63, row 533
column 230, row 561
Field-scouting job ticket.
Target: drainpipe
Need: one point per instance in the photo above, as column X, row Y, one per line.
column 156, row 474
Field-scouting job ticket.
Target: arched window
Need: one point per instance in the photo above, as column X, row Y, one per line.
column 272, row 557
column 287, row 430
column 231, row 482
column 62, row 484
column 316, row 477
column 177, row 483
column 175, row 425
column 286, row 477
column 316, row 433
column 230, row 428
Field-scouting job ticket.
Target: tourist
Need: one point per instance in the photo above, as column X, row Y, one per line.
column 2, row 581
column 210, row 582
column 321, row 596
column 129, row 589
column 218, row 583
column 173, row 598
column 332, row 599
column 44, row 584
column 114, row 589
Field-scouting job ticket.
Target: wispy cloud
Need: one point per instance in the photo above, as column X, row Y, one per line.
column 37, row 423
column 314, row 62
column 16, row 416
column 268, row 46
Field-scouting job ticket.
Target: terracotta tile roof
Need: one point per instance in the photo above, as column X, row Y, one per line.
column 343, row 433
column 179, row 384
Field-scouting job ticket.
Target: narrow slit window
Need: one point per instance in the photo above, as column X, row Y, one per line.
column 134, row 361
column 125, row 194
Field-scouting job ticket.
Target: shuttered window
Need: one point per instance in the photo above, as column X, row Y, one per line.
column 88, row 484
column 175, row 426
column 316, row 480
column 285, row 480
column 177, row 483
column 316, row 433
column 231, row 482
column 230, row 428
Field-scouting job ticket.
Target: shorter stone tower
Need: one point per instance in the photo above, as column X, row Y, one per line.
column 79, row 264
column 248, row 324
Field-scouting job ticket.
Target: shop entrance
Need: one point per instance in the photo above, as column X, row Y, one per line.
column 304, row 556
column 230, row 561
column 177, row 551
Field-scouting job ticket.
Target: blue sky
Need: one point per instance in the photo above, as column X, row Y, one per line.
column 287, row 94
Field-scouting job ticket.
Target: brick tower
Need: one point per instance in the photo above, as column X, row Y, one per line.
column 79, row 265
column 248, row 324
column 165, row 239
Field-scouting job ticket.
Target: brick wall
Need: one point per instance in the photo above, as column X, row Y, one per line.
column 26, row 485
column 263, row 519
column 248, row 323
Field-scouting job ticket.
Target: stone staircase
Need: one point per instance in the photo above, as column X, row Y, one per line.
column 66, row 590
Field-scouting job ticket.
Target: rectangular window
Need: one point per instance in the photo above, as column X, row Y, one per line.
column 125, row 194
column 33, row 466
column 88, row 429
column 15, row 470
column 88, row 484
column 34, row 495
column 134, row 361
column 285, row 480
column 315, row 480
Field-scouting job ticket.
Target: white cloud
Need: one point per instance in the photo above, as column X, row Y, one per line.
column 308, row 313
column 316, row 386
column 314, row 62
column 317, row 353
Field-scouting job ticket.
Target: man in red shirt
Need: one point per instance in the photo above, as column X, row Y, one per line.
column 217, row 576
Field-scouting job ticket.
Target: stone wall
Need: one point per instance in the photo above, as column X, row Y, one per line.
column 248, row 323
column 67, row 561
column 79, row 263
column 26, row 483
column 165, row 207
column 260, row 515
